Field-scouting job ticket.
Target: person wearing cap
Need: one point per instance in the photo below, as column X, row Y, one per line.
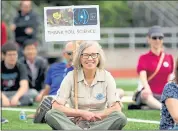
column 36, row 69
column 99, row 106
column 14, row 79
column 147, row 64
column 169, row 100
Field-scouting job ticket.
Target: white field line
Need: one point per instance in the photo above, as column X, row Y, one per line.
column 18, row 109
column 143, row 121
column 129, row 119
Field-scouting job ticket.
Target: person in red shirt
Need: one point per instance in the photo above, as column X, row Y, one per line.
column 3, row 33
column 3, row 37
column 147, row 64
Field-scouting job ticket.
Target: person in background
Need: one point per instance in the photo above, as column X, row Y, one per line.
column 58, row 71
column 169, row 100
column 55, row 75
column 14, row 79
column 25, row 25
column 3, row 33
column 147, row 66
column 3, row 36
column 3, row 41
column 99, row 106
column 36, row 68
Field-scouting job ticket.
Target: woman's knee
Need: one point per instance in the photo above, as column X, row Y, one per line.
column 122, row 119
column 48, row 115
column 32, row 93
column 51, row 114
column 145, row 95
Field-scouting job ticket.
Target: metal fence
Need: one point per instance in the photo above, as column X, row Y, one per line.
column 131, row 38
column 136, row 36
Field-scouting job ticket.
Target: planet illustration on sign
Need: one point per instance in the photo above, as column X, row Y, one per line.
column 85, row 16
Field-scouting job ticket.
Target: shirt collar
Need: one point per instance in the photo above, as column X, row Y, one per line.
column 29, row 63
column 100, row 75
column 151, row 53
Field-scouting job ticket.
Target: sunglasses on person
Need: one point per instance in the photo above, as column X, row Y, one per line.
column 69, row 53
column 157, row 37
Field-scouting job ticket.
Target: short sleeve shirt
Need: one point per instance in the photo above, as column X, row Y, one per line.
column 10, row 78
column 55, row 75
column 170, row 91
column 148, row 62
column 98, row 96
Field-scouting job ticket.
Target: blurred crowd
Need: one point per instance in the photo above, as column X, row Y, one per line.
column 27, row 77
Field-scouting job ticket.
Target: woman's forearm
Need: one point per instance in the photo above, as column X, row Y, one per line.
column 67, row 110
column 116, row 107
column 143, row 78
column 172, row 106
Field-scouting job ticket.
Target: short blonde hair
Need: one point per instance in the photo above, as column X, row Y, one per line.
column 82, row 47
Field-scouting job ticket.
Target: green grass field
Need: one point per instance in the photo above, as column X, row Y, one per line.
column 154, row 115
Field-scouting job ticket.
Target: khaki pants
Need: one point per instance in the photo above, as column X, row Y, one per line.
column 59, row 121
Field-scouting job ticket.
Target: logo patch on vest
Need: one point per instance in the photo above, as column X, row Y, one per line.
column 165, row 64
column 99, row 96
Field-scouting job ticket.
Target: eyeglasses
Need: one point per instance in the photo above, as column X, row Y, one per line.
column 93, row 55
column 14, row 55
column 158, row 37
column 69, row 52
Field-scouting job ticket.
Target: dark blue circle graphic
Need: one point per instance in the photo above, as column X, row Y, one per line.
column 81, row 16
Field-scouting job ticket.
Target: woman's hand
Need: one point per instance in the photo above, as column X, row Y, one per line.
column 90, row 116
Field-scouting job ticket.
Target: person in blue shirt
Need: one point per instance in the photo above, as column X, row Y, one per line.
column 58, row 71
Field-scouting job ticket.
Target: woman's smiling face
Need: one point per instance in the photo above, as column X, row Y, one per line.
column 90, row 58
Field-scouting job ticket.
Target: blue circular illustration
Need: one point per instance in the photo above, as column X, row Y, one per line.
column 81, row 16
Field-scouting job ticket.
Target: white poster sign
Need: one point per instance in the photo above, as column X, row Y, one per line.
column 64, row 23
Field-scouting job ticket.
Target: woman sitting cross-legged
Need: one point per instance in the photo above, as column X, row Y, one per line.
column 99, row 106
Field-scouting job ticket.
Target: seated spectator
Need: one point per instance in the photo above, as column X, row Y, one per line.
column 36, row 69
column 3, row 36
column 3, row 33
column 58, row 71
column 95, row 105
column 14, row 79
column 25, row 25
column 54, row 77
column 169, row 99
column 154, row 68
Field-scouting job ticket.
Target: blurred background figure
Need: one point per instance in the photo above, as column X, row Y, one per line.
column 54, row 77
column 36, row 68
column 25, row 24
column 156, row 64
column 3, row 33
column 58, row 71
column 3, row 36
column 14, row 79
column 4, row 120
column 169, row 100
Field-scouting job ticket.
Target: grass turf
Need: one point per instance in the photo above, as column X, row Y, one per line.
column 16, row 124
